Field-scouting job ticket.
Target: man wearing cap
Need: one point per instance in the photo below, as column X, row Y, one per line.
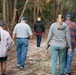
column 69, row 54
column 6, row 44
column 22, row 32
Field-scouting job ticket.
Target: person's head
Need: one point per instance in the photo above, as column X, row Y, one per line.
column 59, row 18
column 2, row 23
column 38, row 19
column 68, row 16
column 24, row 19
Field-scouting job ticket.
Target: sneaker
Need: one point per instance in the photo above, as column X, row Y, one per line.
column 18, row 66
column 37, row 47
column 21, row 68
column 67, row 73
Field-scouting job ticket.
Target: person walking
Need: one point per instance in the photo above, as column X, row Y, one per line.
column 58, row 34
column 22, row 32
column 6, row 44
column 39, row 29
column 69, row 54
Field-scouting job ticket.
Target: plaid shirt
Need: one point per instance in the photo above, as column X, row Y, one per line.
column 72, row 30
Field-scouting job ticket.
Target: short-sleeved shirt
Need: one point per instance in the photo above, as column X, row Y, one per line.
column 22, row 30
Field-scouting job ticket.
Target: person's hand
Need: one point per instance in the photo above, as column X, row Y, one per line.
column 69, row 49
column 47, row 46
column 13, row 43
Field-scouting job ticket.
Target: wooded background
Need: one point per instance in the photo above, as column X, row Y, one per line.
column 12, row 10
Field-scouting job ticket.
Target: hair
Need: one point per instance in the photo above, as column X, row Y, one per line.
column 39, row 19
column 61, row 16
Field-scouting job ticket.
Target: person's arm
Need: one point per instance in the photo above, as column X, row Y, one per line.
column 14, row 33
column 30, row 35
column 10, row 42
column 68, row 38
column 13, row 36
column 49, row 35
column 75, row 34
column 35, row 27
column 43, row 27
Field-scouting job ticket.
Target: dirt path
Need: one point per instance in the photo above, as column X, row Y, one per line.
column 37, row 63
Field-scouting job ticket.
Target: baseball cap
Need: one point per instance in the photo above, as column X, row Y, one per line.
column 68, row 15
column 23, row 18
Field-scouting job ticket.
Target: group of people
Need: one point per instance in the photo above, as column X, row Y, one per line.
column 63, row 43
column 61, row 37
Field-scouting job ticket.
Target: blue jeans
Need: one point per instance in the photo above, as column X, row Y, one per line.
column 39, row 37
column 21, row 51
column 68, row 60
column 55, row 53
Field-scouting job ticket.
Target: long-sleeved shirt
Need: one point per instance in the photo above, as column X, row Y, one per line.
column 5, row 42
column 72, row 30
column 59, row 36
column 39, row 27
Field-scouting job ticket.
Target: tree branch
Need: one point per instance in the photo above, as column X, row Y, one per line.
column 23, row 10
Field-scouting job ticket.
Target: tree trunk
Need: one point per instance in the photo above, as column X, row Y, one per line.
column 4, row 10
column 60, row 6
column 10, row 11
column 38, row 7
column 7, row 11
column 55, row 10
column 23, row 10
column 34, row 12
column 14, row 15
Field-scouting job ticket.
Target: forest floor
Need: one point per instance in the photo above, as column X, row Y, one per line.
column 37, row 62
